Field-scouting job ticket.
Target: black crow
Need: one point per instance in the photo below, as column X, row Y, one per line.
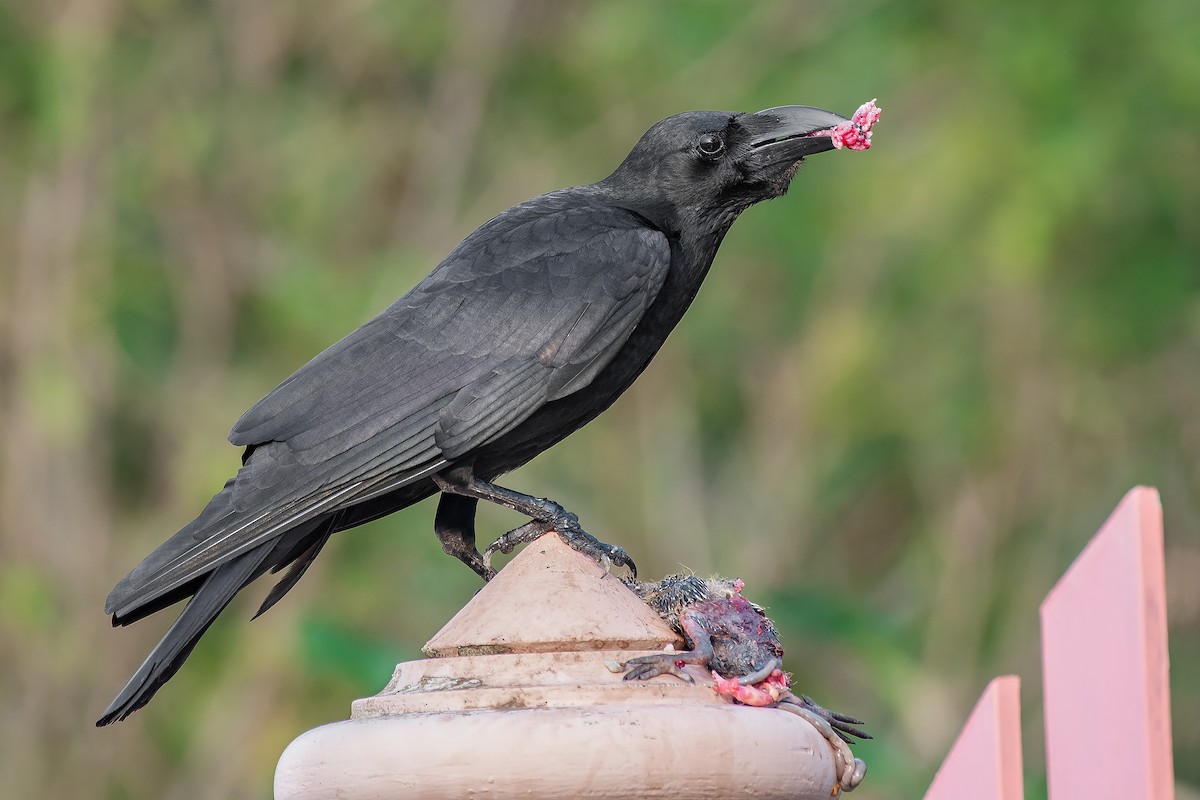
column 532, row 326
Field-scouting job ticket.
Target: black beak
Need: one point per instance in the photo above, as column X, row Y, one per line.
column 786, row 132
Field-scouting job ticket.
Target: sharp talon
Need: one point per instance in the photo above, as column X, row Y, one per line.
column 621, row 558
column 843, row 723
column 847, row 719
column 843, row 728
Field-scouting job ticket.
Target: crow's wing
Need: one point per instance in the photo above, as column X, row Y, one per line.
column 527, row 302
column 527, row 309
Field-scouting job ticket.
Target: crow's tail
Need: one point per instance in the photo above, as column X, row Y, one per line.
column 169, row 654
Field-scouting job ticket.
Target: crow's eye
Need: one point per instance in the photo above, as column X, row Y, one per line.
column 710, row 145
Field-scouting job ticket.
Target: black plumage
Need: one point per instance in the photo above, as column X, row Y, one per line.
column 528, row 329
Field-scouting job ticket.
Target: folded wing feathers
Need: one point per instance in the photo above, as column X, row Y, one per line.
column 447, row 367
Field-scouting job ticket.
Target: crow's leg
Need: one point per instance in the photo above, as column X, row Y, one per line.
column 546, row 515
column 454, row 524
column 850, row 770
column 645, row 667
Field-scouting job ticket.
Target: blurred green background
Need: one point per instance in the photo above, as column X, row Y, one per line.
column 907, row 395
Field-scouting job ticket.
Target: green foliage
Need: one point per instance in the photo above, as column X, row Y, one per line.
column 908, row 393
column 328, row 647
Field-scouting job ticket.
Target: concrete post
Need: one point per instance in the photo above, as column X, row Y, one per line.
column 516, row 700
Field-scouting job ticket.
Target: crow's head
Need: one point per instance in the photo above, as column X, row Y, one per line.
column 713, row 164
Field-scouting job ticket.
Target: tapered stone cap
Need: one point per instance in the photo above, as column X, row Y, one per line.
column 563, row 600
column 518, row 700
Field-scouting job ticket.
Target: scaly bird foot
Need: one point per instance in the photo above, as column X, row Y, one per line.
column 839, row 722
column 567, row 526
column 546, row 515
column 643, row 668
column 850, row 770
column 511, row 540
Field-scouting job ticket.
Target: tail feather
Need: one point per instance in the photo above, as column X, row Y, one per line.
column 300, row 565
column 169, row 654
column 159, row 603
column 217, row 577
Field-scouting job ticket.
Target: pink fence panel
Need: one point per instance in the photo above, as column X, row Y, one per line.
column 985, row 761
column 1104, row 662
